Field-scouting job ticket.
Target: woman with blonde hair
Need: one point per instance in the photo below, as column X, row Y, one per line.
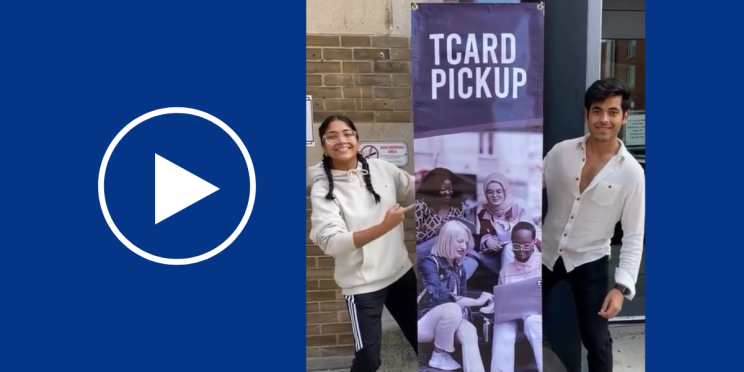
column 446, row 312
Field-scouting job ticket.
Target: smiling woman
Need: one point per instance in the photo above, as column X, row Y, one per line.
column 357, row 219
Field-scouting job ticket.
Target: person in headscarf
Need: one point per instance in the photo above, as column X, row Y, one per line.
column 501, row 211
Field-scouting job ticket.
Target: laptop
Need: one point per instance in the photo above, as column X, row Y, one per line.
column 517, row 300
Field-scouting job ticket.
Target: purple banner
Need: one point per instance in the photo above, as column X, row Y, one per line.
column 478, row 65
column 478, row 95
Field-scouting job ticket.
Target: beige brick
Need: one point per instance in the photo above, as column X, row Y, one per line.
column 322, row 40
column 400, row 54
column 404, row 105
column 392, row 67
column 327, row 284
column 322, row 340
column 324, row 92
column 322, row 67
column 401, row 80
column 334, row 351
column 312, row 285
column 372, row 54
column 343, row 80
column 378, row 104
column 314, row 54
column 373, row 80
column 391, row 92
column 313, row 307
column 355, row 41
column 336, row 54
column 319, row 296
column 319, row 273
column 333, row 306
column 361, row 116
column 356, row 67
column 357, row 92
column 335, row 328
column 313, row 352
column 347, row 339
column 325, row 261
column 314, row 80
column 313, row 329
column 312, row 262
column 393, row 117
column 340, row 104
column 314, row 250
column 390, row 41
column 322, row 318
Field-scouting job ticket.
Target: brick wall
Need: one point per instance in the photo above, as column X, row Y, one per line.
column 367, row 78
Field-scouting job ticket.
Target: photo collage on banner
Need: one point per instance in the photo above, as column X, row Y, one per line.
column 478, row 115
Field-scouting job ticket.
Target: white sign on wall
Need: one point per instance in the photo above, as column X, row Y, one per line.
column 395, row 152
column 309, row 121
column 635, row 130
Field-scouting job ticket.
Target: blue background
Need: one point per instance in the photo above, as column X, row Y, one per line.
column 72, row 75
column 693, row 194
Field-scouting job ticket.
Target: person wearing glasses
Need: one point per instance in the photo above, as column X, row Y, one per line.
column 357, row 218
column 527, row 264
column 499, row 213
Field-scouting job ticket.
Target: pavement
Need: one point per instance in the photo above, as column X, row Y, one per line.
column 629, row 342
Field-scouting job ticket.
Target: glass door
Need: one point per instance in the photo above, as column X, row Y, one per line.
column 624, row 57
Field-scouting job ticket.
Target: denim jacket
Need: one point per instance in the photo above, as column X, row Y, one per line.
column 444, row 283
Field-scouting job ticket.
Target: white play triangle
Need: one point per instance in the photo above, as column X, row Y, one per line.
column 176, row 189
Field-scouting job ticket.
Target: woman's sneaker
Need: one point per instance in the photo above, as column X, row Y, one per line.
column 443, row 361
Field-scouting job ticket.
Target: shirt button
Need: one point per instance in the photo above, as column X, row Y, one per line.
column 565, row 234
column 560, row 250
column 609, row 186
column 577, row 178
column 578, row 198
column 583, row 159
column 572, row 217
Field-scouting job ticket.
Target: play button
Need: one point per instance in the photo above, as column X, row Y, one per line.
column 200, row 156
column 176, row 189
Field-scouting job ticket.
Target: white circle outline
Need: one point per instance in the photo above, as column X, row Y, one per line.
column 102, row 195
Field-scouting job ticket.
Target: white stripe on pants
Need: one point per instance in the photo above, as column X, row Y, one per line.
column 354, row 322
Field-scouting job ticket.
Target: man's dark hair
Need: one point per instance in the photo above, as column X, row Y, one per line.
column 522, row 225
column 603, row 89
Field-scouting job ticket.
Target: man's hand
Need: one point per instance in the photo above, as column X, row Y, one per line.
column 612, row 305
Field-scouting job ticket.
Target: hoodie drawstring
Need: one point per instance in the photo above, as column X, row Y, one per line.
column 359, row 175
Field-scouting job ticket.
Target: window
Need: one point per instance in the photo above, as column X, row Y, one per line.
column 630, row 49
column 631, row 76
column 485, row 143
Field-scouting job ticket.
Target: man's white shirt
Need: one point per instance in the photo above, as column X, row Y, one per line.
column 579, row 226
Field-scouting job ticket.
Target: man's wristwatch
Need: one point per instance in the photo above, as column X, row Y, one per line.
column 623, row 289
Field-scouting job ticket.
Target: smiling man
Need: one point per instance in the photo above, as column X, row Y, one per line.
column 593, row 182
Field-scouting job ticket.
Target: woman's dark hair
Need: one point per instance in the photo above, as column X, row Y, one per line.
column 328, row 165
column 603, row 89
column 431, row 186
